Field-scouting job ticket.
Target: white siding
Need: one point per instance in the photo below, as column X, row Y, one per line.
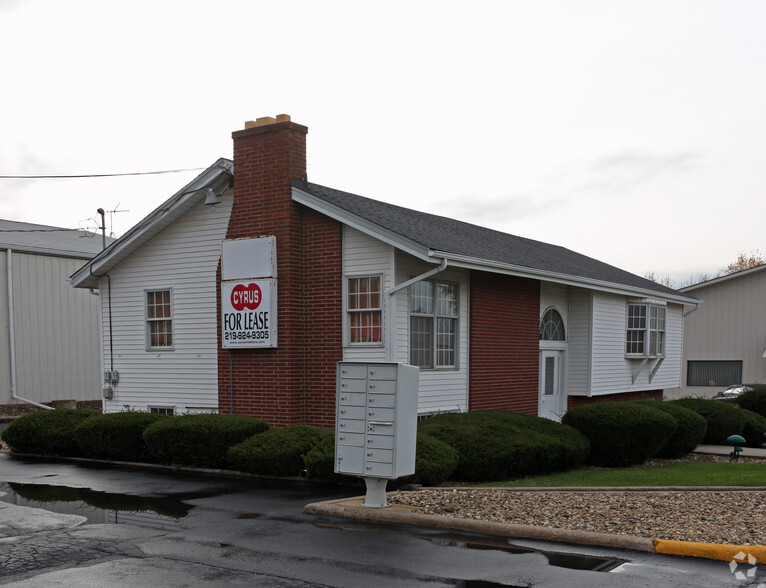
column 579, row 339
column 440, row 390
column 611, row 371
column 365, row 256
column 556, row 296
column 183, row 258
column 56, row 331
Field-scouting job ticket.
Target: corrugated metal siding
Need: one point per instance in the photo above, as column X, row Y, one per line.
column 183, row 258
column 56, row 331
column 579, row 340
column 730, row 325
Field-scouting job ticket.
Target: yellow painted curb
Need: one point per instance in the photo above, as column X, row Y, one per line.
column 711, row 550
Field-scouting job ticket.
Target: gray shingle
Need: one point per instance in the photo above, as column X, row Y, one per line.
column 465, row 239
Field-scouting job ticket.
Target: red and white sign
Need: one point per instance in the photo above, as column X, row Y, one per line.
column 248, row 313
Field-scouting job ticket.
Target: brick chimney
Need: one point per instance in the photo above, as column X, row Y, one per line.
column 293, row 383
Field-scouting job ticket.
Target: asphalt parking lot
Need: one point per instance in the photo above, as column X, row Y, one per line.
column 122, row 526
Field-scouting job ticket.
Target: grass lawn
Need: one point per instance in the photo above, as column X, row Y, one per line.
column 676, row 474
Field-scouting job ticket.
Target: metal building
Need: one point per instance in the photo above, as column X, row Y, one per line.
column 50, row 348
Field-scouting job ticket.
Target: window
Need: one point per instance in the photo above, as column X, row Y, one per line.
column 161, row 410
column 646, row 330
column 552, row 326
column 433, row 324
column 364, row 310
column 713, row 373
column 159, row 322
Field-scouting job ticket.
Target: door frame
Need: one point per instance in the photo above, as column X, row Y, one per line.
column 557, row 349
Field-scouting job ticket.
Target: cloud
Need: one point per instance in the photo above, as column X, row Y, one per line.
column 621, row 172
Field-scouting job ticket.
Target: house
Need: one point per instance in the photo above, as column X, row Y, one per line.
column 49, row 345
column 243, row 290
column 725, row 342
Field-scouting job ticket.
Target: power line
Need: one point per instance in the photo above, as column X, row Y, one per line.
column 63, row 177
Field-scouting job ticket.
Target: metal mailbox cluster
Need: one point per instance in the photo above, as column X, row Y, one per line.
column 376, row 428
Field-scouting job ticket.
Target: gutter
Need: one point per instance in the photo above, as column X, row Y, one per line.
column 12, row 333
column 390, row 303
column 691, row 310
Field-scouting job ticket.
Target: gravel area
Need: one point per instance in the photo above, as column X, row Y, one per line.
column 725, row 517
column 736, row 517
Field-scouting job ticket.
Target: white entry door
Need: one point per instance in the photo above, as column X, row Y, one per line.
column 550, row 403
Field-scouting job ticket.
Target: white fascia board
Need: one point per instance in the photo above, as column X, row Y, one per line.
column 157, row 220
column 720, row 279
column 394, row 239
column 567, row 280
column 422, row 252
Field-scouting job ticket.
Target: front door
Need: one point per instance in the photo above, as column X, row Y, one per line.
column 550, row 404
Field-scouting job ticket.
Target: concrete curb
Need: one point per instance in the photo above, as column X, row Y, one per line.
column 351, row 508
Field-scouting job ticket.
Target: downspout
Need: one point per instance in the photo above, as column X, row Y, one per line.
column 109, row 304
column 691, row 310
column 11, row 334
column 390, row 304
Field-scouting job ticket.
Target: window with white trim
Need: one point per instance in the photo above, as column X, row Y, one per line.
column 364, row 311
column 434, row 313
column 645, row 335
column 159, row 319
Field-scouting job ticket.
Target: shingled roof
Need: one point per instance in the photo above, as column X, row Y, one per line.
column 457, row 240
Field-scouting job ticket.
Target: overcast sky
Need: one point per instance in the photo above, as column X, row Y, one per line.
column 632, row 132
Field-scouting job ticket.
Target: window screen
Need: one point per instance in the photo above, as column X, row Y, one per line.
column 713, row 373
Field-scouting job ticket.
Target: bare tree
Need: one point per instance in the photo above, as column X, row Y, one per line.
column 663, row 279
column 744, row 261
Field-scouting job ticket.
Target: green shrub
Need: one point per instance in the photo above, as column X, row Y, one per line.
column 118, row 435
column 621, row 433
column 199, row 439
column 47, row 432
column 753, row 400
column 320, row 460
column 688, row 434
column 497, row 445
column 722, row 419
column 278, row 452
column 435, row 461
column 754, row 428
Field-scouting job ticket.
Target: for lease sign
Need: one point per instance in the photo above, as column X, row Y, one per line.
column 248, row 313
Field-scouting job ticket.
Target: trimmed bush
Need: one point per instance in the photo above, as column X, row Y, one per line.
column 435, row 461
column 278, row 452
column 621, row 433
column 722, row 419
column 753, row 400
column 320, row 460
column 689, row 432
column 754, row 428
column 118, row 435
column 498, row 445
column 47, row 432
column 199, row 439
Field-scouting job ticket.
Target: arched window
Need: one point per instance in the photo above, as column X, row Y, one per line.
column 552, row 326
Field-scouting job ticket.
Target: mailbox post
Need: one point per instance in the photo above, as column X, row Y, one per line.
column 376, row 424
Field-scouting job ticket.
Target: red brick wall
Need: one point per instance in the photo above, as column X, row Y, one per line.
column 504, row 343
column 573, row 401
column 294, row 383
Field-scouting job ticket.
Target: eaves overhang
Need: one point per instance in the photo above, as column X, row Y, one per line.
column 425, row 253
column 362, row 224
column 456, row 260
column 218, row 177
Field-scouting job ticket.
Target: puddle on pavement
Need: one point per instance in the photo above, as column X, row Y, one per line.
column 570, row 561
column 100, row 507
